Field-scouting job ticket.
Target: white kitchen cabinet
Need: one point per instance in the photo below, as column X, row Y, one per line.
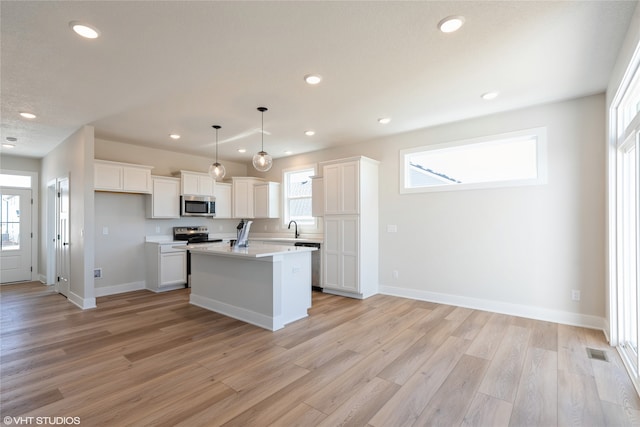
column 341, row 187
column 164, row 201
column 243, row 197
column 223, row 200
column 350, row 249
column 341, row 253
column 121, row 177
column 166, row 266
column 197, row 184
column 266, row 200
column 317, row 196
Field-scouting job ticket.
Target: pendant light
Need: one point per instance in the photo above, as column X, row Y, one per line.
column 216, row 170
column 262, row 160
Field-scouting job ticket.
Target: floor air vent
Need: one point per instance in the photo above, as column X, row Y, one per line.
column 597, row 354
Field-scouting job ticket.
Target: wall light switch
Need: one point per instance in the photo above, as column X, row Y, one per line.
column 392, row 228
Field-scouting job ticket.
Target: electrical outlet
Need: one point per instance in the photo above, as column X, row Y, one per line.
column 97, row 273
column 575, row 295
column 105, row 231
column 395, row 274
column 157, row 228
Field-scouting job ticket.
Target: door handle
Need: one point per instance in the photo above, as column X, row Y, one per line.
column 65, row 244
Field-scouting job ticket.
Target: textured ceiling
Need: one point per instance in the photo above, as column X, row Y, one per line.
column 182, row 66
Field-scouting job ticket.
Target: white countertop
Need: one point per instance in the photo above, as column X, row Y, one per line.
column 254, row 250
column 285, row 239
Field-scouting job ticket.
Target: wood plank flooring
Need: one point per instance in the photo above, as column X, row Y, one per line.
column 153, row 359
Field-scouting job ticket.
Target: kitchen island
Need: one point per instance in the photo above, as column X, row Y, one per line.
column 263, row 284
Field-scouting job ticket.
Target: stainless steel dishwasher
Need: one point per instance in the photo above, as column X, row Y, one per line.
column 315, row 264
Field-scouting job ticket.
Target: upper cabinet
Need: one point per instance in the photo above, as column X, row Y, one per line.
column 266, row 199
column 341, row 187
column 121, row 177
column 164, row 202
column 255, row 198
column 243, row 196
column 223, row 200
column 197, row 184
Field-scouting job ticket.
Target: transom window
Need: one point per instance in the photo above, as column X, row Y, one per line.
column 20, row 181
column 517, row 158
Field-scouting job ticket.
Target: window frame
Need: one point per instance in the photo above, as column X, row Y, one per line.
column 311, row 225
column 539, row 133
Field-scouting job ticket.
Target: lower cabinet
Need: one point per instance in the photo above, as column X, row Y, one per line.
column 341, row 254
column 166, row 266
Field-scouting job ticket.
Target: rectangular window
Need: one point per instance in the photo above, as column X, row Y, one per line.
column 21, row 181
column 10, row 222
column 517, row 158
column 297, row 196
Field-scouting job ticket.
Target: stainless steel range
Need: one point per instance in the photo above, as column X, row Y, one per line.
column 192, row 235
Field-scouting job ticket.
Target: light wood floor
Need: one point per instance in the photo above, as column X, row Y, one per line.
column 153, row 359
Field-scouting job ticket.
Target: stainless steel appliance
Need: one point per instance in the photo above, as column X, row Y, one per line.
column 192, row 235
column 197, row 206
column 315, row 264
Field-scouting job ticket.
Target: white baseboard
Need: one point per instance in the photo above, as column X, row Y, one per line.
column 83, row 303
column 537, row 313
column 101, row 291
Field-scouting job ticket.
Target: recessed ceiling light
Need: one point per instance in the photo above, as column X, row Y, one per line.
column 451, row 24
column 488, row 96
column 174, row 136
column 310, row 132
column 384, row 120
column 288, row 152
column 27, row 115
column 242, row 150
column 7, row 145
column 84, row 30
column 312, row 79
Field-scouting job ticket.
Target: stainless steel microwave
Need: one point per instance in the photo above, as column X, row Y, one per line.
column 197, row 206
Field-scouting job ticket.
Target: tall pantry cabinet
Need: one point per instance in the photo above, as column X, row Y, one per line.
column 350, row 246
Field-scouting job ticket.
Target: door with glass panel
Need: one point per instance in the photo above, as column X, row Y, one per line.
column 15, row 222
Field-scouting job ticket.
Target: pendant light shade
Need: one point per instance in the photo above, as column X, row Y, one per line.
column 216, row 170
column 262, row 160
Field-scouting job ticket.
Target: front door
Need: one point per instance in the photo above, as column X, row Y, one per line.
column 15, row 219
column 63, row 259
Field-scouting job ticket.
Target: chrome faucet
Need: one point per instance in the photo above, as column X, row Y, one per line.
column 296, row 224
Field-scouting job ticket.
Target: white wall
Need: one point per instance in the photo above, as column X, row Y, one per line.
column 516, row 250
column 74, row 158
column 164, row 162
column 16, row 163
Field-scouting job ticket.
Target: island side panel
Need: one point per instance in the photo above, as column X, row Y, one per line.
column 269, row 292
column 236, row 287
column 296, row 286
